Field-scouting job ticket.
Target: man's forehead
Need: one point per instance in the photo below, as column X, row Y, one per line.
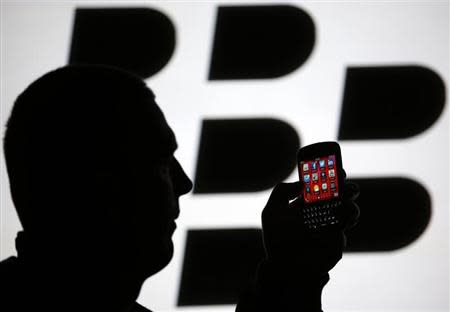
column 171, row 139
column 148, row 132
column 165, row 136
column 166, row 133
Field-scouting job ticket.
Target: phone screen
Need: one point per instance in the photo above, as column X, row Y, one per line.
column 320, row 178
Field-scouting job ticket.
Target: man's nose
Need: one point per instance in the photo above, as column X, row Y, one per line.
column 183, row 183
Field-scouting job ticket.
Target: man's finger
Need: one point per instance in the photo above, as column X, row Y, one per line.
column 282, row 194
column 351, row 190
column 353, row 216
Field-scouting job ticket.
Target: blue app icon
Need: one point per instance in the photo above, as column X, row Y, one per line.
column 314, row 165
column 306, row 178
column 322, row 163
column 330, row 162
column 308, row 189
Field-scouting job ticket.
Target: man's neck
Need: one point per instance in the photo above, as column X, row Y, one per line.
column 54, row 277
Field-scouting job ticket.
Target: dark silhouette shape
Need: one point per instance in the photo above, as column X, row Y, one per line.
column 96, row 186
column 218, row 265
column 400, row 206
column 260, row 41
column 244, row 155
column 297, row 260
column 139, row 40
column 391, row 102
column 218, row 262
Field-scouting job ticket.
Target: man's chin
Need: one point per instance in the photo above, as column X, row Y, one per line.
column 167, row 255
column 155, row 261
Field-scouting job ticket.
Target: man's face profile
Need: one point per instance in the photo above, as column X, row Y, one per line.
column 158, row 181
column 91, row 163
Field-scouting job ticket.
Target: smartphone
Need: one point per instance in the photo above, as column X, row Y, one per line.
column 322, row 176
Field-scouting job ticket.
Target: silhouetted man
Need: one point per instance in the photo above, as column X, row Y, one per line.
column 96, row 186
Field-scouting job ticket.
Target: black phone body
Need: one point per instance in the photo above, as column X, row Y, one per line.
column 322, row 176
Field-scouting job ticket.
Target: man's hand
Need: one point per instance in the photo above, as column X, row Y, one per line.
column 295, row 269
column 294, row 249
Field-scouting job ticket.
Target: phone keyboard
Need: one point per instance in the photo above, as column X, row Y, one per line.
column 320, row 215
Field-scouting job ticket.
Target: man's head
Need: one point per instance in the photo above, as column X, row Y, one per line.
column 90, row 161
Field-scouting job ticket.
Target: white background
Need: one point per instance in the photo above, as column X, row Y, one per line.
column 36, row 38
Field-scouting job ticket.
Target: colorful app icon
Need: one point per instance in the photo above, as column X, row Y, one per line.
column 333, row 185
column 308, row 189
column 316, row 188
column 330, row 163
column 305, row 167
column 322, row 163
column 324, row 186
column 315, row 176
column 323, row 175
column 306, row 178
column 331, row 173
column 314, row 165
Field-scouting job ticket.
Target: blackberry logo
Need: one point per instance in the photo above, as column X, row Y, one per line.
column 268, row 42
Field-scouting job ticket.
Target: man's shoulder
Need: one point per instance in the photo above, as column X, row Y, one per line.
column 139, row 308
column 8, row 268
column 10, row 277
column 8, row 261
